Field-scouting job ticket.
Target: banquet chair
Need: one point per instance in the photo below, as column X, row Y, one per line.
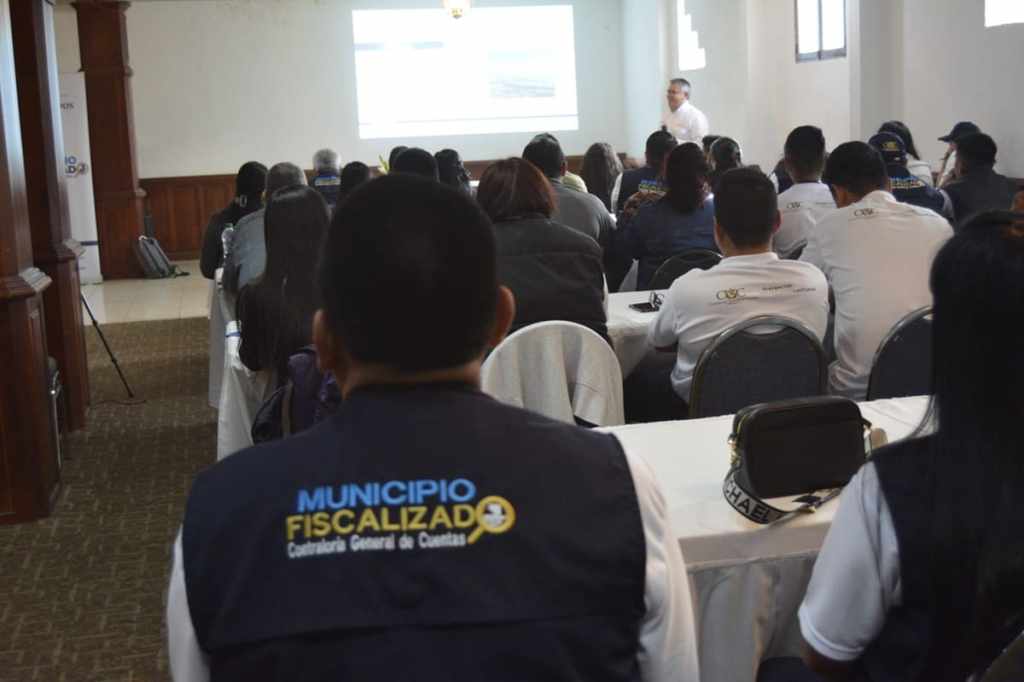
column 561, row 370
column 1009, row 665
column 903, row 363
column 680, row 264
column 758, row 360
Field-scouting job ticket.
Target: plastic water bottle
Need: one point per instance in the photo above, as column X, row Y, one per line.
column 226, row 239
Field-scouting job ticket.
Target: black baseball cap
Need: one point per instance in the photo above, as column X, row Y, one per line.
column 891, row 148
column 959, row 130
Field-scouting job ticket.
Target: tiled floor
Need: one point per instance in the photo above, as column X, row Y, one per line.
column 135, row 300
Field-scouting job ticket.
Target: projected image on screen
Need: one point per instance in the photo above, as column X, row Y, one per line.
column 421, row 73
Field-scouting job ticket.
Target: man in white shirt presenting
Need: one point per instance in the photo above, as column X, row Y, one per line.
column 685, row 121
column 751, row 280
column 876, row 253
column 809, row 199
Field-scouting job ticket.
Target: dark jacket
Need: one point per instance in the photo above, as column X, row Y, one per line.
column 554, row 271
column 633, row 181
column 979, row 190
column 910, row 189
column 212, row 255
column 659, row 231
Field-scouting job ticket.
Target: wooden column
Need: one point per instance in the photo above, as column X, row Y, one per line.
column 54, row 251
column 103, row 43
column 29, row 473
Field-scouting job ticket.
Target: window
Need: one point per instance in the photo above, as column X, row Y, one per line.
column 820, row 29
column 691, row 54
column 1000, row 12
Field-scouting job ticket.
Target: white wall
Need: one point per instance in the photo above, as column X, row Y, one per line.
column 958, row 70
column 218, row 82
column 645, row 37
column 65, row 26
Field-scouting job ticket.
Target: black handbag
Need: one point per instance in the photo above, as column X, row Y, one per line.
column 810, row 447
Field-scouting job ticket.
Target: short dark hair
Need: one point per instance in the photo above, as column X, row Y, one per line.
column 545, row 152
column 513, row 188
column 353, row 174
column 408, row 275
column 725, row 154
column 856, row 167
column 805, row 150
column 282, row 175
column 745, row 206
column 394, row 153
column 417, row 162
column 976, row 151
column 681, row 82
column 251, row 179
column 659, row 144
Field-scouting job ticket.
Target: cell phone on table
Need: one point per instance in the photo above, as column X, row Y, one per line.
column 645, row 307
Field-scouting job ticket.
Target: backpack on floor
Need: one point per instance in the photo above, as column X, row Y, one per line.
column 155, row 263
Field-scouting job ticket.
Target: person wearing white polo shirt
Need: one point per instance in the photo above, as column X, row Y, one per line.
column 876, row 253
column 686, row 122
column 809, row 199
column 751, row 280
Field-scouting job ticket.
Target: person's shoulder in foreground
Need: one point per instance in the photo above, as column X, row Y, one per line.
column 424, row 517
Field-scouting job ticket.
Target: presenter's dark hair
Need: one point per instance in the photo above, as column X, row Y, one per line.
column 276, row 311
column 900, row 130
column 514, row 188
column 805, row 150
column 976, row 151
column 856, row 167
column 746, row 206
column 416, row 161
column 686, row 176
column 545, row 152
column 408, row 275
column 977, row 556
column 659, row 144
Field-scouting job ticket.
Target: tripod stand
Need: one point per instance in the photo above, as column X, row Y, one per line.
column 113, row 358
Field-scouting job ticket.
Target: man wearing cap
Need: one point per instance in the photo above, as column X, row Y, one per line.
column 686, row 122
column 977, row 186
column 904, row 185
column 948, row 171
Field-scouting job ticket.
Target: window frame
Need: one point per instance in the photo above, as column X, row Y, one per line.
column 821, row 54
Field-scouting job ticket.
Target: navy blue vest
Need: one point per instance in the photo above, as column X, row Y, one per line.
column 423, row 532
column 633, row 181
column 328, row 186
column 911, row 189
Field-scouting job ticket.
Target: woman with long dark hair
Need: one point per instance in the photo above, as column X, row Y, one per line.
column 724, row 155
column 554, row 271
column 681, row 220
column 275, row 313
column 249, row 184
column 921, row 576
column 915, row 164
column 601, row 168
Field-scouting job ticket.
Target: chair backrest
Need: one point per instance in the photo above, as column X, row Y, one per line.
column 758, row 360
column 903, row 362
column 562, row 370
column 680, row 264
column 1009, row 665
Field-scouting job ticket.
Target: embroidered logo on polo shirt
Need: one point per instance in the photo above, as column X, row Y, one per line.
column 864, row 212
column 729, row 294
column 393, row 516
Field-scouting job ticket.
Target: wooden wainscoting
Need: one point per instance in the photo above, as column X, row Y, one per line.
column 181, row 207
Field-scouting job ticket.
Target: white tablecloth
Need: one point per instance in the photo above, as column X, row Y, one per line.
column 221, row 312
column 748, row 580
column 627, row 328
column 241, row 394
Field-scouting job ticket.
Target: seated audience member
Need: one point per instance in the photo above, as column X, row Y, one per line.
column 275, row 312
column 808, row 199
column 876, row 253
column 327, row 175
column 706, row 143
column 554, row 271
column 693, row 313
column 248, row 254
column 917, row 166
column 353, row 174
column 249, row 184
column 947, row 172
column 977, row 186
column 780, row 176
column 904, row 186
column 601, row 171
column 450, row 170
column 416, row 161
column 724, row 155
column 919, row 577
column 394, row 154
column 379, row 544
column 649, row 177
column 581, row 211
column 683, row 219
